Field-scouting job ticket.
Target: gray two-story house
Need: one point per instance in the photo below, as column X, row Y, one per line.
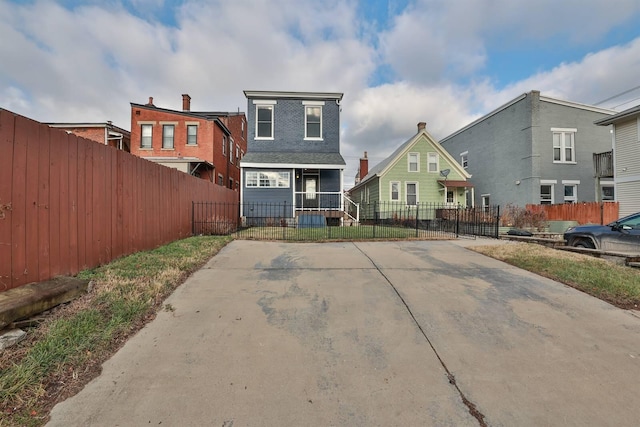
column 534, row 150
column 293, row 159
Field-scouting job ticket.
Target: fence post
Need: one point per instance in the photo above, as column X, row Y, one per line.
column 284, row 214
column 457, row 221
column 497, row 235
column 375, row 217
column 417, row 212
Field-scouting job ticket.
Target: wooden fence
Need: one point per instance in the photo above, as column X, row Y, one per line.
column 68, row 203
column 583, row 213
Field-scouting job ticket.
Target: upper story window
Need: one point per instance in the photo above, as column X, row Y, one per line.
column 264, row 121
column 224, row 145
column 564, row 145
column 167, row 136
column 413, row 160
column 464, row 159
column 432, row 162
column 313, row 119
column 192, row 135
column 146, row 135
column 231, row 150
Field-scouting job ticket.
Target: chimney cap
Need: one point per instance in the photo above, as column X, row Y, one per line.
column 151, row 101
column 422, row 126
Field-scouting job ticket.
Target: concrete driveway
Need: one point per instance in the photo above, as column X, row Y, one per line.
column 369, row 334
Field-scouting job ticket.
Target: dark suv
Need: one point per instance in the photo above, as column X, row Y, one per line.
column 622, row 235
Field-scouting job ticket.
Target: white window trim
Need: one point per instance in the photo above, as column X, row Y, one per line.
column 464, row 155
column 552, row 183
column 406, row 193
column 482, row 199
column 281, row 177
column 409, row 162
column 315, row 103
column 270, row 106
column 437, row 161
column 570, row 183
column 312, row 138
column 563, row 146
column 391, row 191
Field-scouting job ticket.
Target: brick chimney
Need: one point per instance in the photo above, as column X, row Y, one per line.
column 186, row 102
column 422, row 126
column 364, row 166
column 150, row 103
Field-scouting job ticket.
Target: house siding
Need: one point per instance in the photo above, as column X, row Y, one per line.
column 267, row 195
column 510, row 151
column 627, row 164
column 289, row 128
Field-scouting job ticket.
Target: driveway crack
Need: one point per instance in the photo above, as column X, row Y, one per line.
column 473, row 410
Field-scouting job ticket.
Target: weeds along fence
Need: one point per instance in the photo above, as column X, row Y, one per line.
column 68, row 203
column 380, row 220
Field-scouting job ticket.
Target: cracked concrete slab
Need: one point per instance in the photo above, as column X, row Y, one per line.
column 365, row 334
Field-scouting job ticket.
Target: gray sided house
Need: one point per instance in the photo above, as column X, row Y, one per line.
column 534, row 150
column 293, row 156
column 626, row 158
column 420, row 171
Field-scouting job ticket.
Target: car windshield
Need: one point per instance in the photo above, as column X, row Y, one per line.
column 632, row 221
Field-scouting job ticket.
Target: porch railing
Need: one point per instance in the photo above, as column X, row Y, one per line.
column 319, row 200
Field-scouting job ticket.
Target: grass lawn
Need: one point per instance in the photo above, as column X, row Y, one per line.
column 616, row 284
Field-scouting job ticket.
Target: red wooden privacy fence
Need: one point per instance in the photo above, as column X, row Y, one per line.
column 67, row 203
column 584, row 213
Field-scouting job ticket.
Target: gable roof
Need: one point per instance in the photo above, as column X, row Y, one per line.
column 520, row 98
column 382, row 167
column 626, row 114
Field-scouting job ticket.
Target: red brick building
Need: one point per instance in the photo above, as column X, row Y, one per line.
column 205, row 144
column 103, row 133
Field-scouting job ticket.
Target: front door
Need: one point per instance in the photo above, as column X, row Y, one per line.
column 310, row 189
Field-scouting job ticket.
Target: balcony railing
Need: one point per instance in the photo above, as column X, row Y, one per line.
column 603, row 164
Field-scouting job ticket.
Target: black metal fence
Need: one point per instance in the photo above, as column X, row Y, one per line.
column 378, row 220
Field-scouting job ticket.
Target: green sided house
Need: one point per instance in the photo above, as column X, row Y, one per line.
column 418, row 172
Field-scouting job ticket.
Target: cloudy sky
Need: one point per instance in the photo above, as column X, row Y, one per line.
column 397, row 62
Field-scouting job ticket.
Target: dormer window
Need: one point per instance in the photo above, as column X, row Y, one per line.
column 313, row 119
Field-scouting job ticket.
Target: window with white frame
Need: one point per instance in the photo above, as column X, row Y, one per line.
column 192, row 135
column 231, row 150
column 313, row 122
column 264, row 121
column 413, row 160
column 486, row 201
column 432, row 162
column 237, row 155
column 411, row 191
column 267, row 179
column 608, row 193
column 167, row 136
column 547, row 188
column 564, row 145
column 570, row 191
column 224, row 145
column 394, row 188
column 464, row 159
column 546, row 194
column 146, row 135
column 450, row 196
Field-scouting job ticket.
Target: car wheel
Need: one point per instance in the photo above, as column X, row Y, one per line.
column 583, row 244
